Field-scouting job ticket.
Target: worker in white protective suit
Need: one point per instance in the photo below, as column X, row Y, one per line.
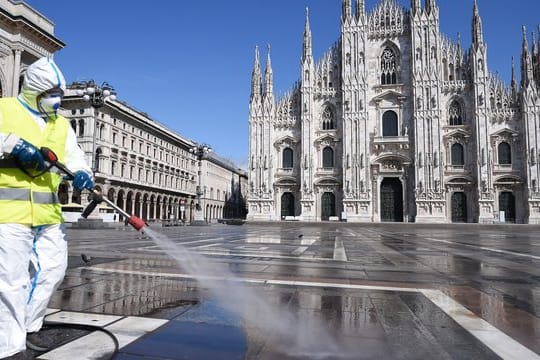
column 33, row 248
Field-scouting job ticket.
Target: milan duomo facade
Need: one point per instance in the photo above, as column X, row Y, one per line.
column 397, row 123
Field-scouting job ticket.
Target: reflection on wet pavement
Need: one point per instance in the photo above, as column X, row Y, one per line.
column 134, row 277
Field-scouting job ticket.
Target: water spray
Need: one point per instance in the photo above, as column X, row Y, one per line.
column 97, row 197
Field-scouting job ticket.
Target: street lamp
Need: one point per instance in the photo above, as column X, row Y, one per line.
column 96, row 95
column 200, row 151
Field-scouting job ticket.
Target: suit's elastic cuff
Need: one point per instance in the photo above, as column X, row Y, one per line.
column 9, row 143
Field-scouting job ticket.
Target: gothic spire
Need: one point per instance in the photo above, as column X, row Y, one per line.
column 415, row 6
column 268, row 75
column 308, row 53
column 526, row 61
column 514, row 82
column 430, row 6
column 534, row 48
column 477, row 32
column 256, row 78
column 360, row 8
column 347, row 10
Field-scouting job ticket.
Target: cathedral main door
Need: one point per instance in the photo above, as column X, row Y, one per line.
column 507, row 203
column 328, row 201
column 391, row 200
column 287, row 205
column 459, row 207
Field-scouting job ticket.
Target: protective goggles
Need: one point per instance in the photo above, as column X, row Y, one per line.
column 54, row 92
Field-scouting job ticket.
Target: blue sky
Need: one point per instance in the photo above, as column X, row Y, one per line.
column 188, row 63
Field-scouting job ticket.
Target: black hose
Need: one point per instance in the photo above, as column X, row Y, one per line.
column 92, row 328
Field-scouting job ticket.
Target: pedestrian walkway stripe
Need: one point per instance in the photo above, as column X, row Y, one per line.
column 97, row 345
column 339, row 251
column 500, row 343
column 500, row 251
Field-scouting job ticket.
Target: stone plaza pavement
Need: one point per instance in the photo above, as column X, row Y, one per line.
column 302, row 291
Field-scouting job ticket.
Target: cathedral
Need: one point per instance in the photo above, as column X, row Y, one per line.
column 396, row 123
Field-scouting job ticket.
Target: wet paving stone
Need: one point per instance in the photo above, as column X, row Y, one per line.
column 189, row 340
column 134, row 276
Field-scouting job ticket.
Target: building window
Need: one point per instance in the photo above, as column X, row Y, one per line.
column 81, row 127
column 97, row 156
column 113, row 167
column 287, row 158
column 114, row 138
column 388, row 67
column 454, row 114
column 328, row 121
column 458, row 155
column 390, row 124
column 74, row 125
column 328, row 157
column 505, row 154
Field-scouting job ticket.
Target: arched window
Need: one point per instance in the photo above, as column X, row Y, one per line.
column 81, row 127
column 74, row 125
column 328, row 121
column 328, row 157
column 287, row 158
column 505, row 154
column 97, row 158
column 390, row 124
column 388, row 67
column 458, row 155
column 455, row 116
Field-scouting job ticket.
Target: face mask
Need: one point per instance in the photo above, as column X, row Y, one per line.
column 50, row 104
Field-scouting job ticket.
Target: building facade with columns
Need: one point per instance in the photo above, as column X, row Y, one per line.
column 139, row 164
column 396, row 122
column 25, row 36
column 144, row 167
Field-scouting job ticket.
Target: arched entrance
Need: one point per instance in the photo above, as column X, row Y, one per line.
column 459, row 207
column 391, row 200
column 507, row 203
column 287, row 205
column 328, row 206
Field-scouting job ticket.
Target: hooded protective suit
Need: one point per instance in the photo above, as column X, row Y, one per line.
column 31, row 230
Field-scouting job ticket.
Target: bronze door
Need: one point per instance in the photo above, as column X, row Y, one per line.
column 391, row 200
column 507, row 203
column 287, row 205
column 328, row 209
column 459, row 207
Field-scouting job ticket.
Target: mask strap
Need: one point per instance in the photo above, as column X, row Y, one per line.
column 44, row 115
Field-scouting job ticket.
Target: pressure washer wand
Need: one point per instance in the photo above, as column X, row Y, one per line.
column 97, row 197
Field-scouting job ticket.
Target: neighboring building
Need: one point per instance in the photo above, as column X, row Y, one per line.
column 146, row 168
column 141, row 165
column 25, row 36
column 397, row 123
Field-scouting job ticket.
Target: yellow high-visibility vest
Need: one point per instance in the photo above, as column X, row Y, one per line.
column 23, row 199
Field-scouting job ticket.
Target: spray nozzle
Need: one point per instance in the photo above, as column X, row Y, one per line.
column 136, row 222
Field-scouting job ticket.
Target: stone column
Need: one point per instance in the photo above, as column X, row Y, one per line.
column 16, row 71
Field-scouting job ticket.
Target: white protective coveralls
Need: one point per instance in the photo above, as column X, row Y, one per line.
column 33, row 260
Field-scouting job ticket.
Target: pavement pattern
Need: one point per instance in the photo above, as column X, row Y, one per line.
column 380, row 291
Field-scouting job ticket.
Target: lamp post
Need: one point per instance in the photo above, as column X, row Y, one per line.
column 200, row 151
column 96, row 95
